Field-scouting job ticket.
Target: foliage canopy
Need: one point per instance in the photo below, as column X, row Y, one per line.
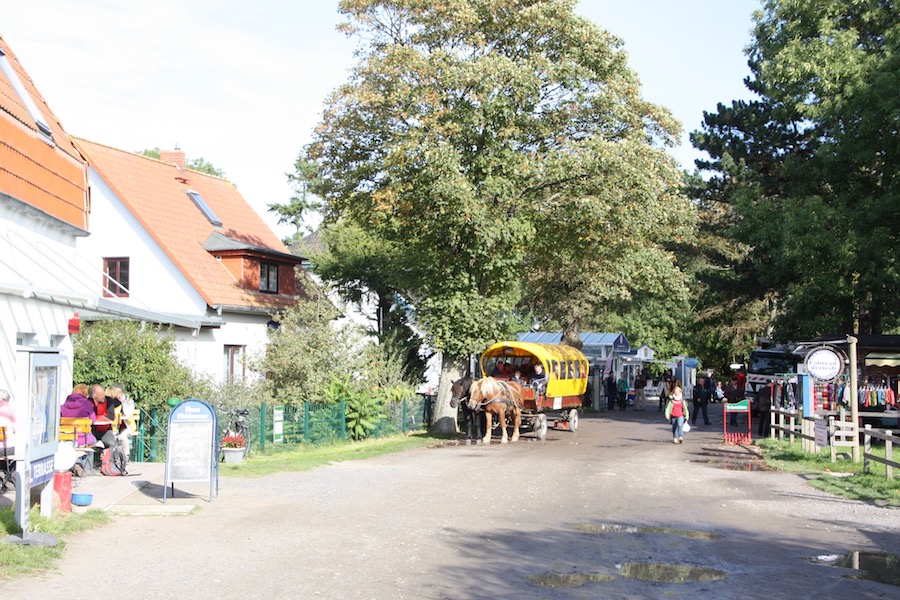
column 806, row 175
column 497, row 148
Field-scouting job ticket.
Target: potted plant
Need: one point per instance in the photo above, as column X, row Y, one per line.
column 233, row 448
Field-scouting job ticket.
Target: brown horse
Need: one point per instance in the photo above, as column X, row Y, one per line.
column 496, row 397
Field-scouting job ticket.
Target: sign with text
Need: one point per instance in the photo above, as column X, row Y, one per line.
column 742, row 406
column 191, row 445
column 824, row 363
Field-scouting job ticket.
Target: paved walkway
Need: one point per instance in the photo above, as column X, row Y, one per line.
column 139, row 492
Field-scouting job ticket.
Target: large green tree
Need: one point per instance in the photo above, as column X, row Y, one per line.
column 498, row 147
column 808, row 171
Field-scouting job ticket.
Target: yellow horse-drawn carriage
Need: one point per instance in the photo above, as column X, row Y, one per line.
column 566, row 371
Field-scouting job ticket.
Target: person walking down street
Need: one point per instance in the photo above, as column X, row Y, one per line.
column 702, row 393
column 710, row 386
column 610, row 391
column 640, row 388
column 663, row 391
column 622, row 390
column 696, row 392
column 677, row 413
column 764, row 407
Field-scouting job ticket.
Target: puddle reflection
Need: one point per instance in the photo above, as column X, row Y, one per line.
column 670, row 573
column 874, row 566
column 618, row 528
column 568, row 580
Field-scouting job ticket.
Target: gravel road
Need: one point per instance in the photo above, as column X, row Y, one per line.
column 575, row 516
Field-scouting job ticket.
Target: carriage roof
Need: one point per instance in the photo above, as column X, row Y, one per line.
column 569, row 384
column 543, row 352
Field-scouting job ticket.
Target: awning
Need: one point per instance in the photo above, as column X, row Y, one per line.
column 883, row 359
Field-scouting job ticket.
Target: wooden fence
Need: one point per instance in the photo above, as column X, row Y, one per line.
column 889, row 439
column 837, row 432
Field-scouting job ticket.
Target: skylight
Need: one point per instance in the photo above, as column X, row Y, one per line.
column 30, row 106
column 204, row 207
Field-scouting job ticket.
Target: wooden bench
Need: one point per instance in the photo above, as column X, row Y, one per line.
column 70, row 429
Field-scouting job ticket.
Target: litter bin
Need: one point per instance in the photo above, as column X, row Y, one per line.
column 62, row 485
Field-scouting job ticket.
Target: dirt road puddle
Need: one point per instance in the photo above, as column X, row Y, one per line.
column 568, row 580
column 620, row 528
column 874, row 566
column 732, row 460
column 670, row 572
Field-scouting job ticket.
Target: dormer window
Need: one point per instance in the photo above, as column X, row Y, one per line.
column 27, row 100
column 268, row 277
column 204, row 207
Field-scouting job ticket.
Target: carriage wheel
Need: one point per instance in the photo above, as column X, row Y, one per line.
column 573, row 420
column 540, row 426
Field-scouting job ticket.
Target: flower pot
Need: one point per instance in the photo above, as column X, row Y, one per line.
column 233, row 455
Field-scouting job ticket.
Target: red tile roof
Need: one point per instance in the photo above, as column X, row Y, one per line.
column 50, row 177
column 155, row 193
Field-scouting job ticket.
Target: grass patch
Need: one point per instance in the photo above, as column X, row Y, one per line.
column 841, row 478
column 279, row 459
column 18, row 559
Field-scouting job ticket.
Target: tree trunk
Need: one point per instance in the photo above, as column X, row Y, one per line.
column 571, row 335
column 444, row 416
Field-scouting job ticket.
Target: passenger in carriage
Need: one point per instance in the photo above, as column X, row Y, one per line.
column 517, row 377
column 539, row 381
column 499, row 369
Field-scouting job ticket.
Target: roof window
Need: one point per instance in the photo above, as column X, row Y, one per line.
column 30, row 106
column 204, row 207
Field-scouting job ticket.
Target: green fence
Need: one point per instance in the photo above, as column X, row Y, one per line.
column 305, row 424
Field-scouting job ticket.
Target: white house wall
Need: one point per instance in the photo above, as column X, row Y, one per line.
column 28, row 247
column 155, row 282
column 204, row 352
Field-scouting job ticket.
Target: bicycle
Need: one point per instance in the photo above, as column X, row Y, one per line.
column 236, row 426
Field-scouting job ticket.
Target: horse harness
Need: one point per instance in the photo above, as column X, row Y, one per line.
column 505, row 396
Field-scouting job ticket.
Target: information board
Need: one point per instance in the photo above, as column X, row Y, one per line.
column 278, row 425
column 191, row 447
column 821, row 433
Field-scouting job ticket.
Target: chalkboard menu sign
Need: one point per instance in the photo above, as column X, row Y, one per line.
column 191, row 446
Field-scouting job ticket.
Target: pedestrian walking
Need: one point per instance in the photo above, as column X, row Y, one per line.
column 663, row 391
column 677, row 413
column 610, row 391
column 702, row 392
column 640, row 388
column 622, row 390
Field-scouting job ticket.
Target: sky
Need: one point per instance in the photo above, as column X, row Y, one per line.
column 242, row 84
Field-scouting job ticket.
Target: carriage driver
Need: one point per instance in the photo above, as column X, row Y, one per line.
column 539, row 381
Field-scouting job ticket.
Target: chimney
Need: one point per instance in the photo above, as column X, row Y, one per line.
column 174, row 157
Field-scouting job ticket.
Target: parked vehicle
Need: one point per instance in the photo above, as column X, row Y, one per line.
column 769, row 365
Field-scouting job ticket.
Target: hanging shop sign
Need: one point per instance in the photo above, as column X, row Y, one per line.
column 824, row 363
